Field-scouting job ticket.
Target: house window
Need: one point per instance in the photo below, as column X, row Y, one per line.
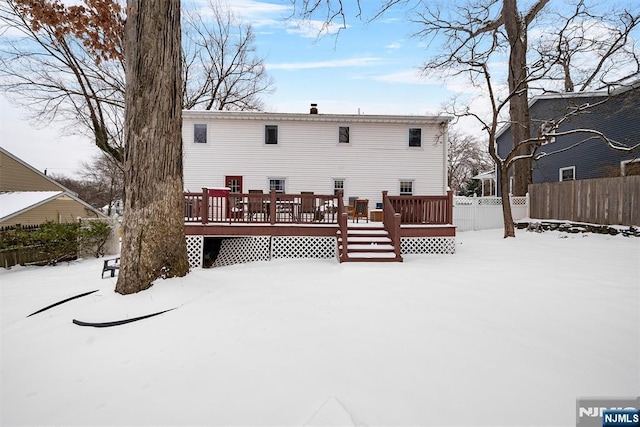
column 200, row 133
column 406, row 188
column 568, row 174
column 415, row 137
column 271, row 134
column 338, row 185
column 343, row 135
column 277, row 184
column 234, row 186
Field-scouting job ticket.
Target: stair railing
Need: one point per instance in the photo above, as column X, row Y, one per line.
column 391, row 222
column 342, row 223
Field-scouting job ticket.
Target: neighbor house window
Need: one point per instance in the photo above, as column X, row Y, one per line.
column 415, row 137
column 200, row 133
column 631, row 167
column 277, row 184
column 568, row 174
column 338, row 185
column 406, row 188
column 271, row 134
column 343, row 135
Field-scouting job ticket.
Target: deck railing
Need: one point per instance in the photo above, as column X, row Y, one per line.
column 437, row 210
column 215, row 206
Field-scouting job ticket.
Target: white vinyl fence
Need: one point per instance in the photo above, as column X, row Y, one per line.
column 482, row 213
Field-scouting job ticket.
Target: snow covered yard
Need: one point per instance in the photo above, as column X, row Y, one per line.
column 504, row 332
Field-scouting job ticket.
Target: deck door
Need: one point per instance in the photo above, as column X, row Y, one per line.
column 234, row 184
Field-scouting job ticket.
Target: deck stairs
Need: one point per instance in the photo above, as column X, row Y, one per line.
column 368, row 244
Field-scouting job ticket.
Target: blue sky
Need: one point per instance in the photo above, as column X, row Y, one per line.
column 369, row 68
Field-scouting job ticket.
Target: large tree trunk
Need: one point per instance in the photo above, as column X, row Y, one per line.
column 507, row 216
column 153, row 244
column 519, row 104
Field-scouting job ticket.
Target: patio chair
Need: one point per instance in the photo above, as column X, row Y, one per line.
column 308, row 204
column 254, row 206
column 351, row 206
column 361, row 210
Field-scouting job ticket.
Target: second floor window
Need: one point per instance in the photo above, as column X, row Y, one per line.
column 343, row 135
column 415, row 137
column 271, row 134
column 200, row 133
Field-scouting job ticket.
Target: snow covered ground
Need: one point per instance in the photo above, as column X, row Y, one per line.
column 504, row 332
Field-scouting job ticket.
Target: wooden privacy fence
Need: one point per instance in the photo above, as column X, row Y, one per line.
column 605, row 201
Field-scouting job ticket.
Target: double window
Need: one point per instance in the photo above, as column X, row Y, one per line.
column 415, row 137
column 271, row 134
column 200, row 133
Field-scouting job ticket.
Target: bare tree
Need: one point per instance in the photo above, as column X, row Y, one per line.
column 473, row 35
column 584, row 51
column 153, row 244
column 106, row 175
column 465, row 158
column 53, row 64
column 101, row 183
column 221, row 68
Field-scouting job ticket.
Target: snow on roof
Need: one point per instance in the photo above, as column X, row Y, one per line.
column 486, row 175
column 15, row 201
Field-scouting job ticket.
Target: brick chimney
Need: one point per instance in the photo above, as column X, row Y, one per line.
column 314, row 109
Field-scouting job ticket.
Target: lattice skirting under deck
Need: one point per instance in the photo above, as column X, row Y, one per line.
column 263, row 248
column 243, row 249
column 195, row 246
column 427, row 245
column 303, row 247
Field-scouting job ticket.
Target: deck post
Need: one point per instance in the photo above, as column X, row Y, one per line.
column 450, row 207
column 384, row 198
column 205, row 205
column 396, row 234
column 342, row 221
column 272, row 206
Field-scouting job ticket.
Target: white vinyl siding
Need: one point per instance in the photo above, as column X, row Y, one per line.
column 310, row 158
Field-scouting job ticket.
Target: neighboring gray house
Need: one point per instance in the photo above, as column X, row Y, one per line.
column 618, row 118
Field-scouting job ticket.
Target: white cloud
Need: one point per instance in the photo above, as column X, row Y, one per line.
column 394, row 45
column 312, row 28
column 338, row 63
column 258, row 13
column 411, row 76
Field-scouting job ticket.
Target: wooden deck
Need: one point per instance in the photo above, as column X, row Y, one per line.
column 214, row 213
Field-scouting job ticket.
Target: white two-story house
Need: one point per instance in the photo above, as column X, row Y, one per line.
column 285, row 155
column 361, row 155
